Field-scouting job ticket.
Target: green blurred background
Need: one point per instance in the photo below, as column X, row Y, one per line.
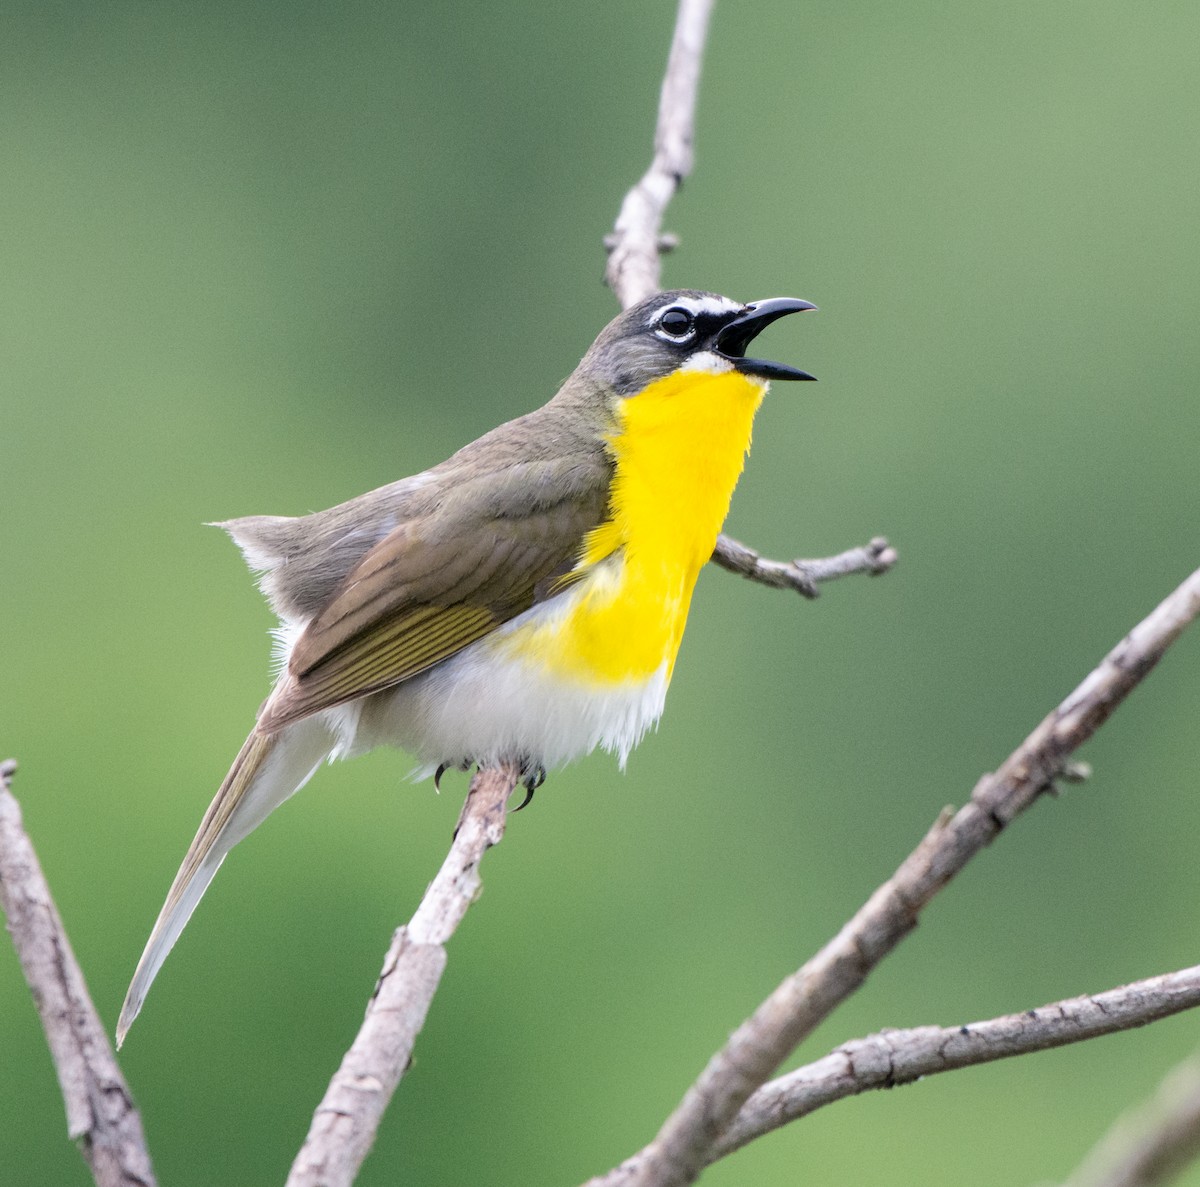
column 261, row 257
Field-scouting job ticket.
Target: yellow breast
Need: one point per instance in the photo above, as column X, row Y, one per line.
column 678, row 449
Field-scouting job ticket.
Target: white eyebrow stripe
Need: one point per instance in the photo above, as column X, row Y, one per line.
column 697, row 306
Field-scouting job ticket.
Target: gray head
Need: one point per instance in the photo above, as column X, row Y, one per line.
column 685, row 327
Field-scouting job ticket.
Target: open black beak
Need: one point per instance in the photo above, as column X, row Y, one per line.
column 733, row 339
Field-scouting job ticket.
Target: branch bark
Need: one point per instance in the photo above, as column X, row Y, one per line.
column 804, row 576
column 347, row 1119
column 729, row 1104
column 686, row 1141
column 101, row 1114
column 634, row 268
column 894, row 1057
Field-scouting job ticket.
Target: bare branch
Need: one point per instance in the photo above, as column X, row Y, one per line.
column 101, row 1114
column 634, row 271
column 804, row 576
column 1154, row 1143
column 347, row 1119
column 789, row 1014
column 900, row 1056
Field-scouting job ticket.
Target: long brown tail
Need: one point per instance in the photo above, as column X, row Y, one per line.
column 268, row 769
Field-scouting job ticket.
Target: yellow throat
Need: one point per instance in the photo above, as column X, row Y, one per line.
column 678, row 450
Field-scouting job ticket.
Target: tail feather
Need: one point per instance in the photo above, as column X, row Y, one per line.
column 268, row 769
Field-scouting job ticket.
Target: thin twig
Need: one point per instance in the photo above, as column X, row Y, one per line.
column 634, row 247
column 101, row 1114
column 901, row 1056
column 1155, row 1142
column 347, row 1119
column 804, row 576
column 686, row 1141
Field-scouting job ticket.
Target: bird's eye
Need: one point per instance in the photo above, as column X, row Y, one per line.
column 677, row 322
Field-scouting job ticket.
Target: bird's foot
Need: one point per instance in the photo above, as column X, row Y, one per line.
column 461, row 764
column 532, row 777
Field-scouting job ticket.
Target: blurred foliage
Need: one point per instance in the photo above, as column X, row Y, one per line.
column 260, row 257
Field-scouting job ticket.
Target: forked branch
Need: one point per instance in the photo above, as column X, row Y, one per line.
column 346, row 1121
column 901, row 1056
column 687, row 1140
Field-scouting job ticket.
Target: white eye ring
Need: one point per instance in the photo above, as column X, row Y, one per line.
column 684, row 326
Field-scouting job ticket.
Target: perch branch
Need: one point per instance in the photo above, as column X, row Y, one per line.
column 1152, row 1144
column 101, row 1114
column 347, row 1119
column 345, row 1123
column 686, row 1141
column 901, row 1056
column 635, row 247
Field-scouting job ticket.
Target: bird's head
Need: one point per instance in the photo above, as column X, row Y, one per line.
column 685, row 329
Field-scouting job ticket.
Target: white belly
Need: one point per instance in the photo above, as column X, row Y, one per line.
column 487, row 703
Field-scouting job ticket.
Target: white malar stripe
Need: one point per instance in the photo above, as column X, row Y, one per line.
column 708, row 362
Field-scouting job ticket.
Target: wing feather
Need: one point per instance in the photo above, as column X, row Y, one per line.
column 427, row 590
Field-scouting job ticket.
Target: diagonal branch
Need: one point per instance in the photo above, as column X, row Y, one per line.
column 687, row 1139
column 901, row 1056
column 347, row 1119
column 101, row 1114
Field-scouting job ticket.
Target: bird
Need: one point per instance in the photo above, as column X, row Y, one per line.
column 522, row 601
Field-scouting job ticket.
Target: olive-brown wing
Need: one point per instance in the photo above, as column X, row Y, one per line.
column 427, row 590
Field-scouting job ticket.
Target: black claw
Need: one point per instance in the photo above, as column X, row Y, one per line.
column 437, row 777
column 534, row 778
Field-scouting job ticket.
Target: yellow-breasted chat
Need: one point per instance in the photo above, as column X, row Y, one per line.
column 523, row 601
